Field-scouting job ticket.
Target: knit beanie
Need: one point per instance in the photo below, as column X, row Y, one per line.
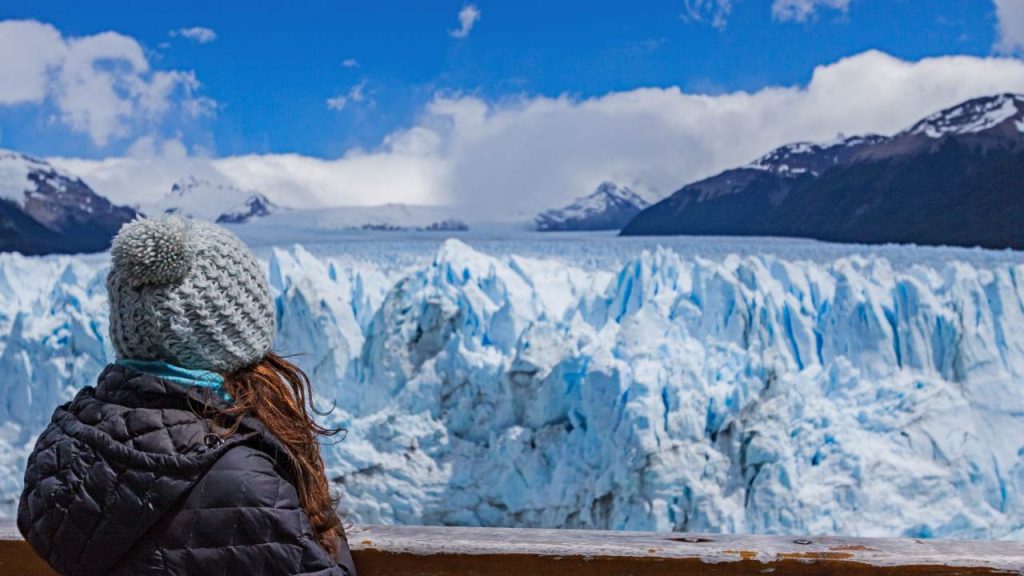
column 188, row 293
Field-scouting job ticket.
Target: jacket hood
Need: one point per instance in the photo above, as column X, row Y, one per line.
column 112, row 462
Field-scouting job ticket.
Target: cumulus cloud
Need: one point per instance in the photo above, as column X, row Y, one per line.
column 542, row 150
column 197, row 34
column 468, row 17
column 503, row 159
column 1010, row 14
column 29, row 52
column 350, row 63
column 802, row 10
column 101, row 85
column 354, row 95
column 408, row 168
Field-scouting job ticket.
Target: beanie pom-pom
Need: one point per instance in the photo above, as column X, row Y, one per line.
column 153, row 251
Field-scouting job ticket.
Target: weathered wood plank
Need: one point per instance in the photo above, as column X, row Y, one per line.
column 421, row 550
column 443, row 551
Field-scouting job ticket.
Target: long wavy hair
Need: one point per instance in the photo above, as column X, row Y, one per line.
column 279, row 394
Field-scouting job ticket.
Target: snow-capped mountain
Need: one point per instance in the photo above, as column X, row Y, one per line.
column 609, row 207
column 1004, row 112
column 813, row 158
column 194, row 197
column 761, row 393
column 45, row 210
column 956, row 177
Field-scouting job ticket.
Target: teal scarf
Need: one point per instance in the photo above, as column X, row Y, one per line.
column 179, row 375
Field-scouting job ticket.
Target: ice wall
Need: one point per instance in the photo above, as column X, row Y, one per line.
column 753, row 394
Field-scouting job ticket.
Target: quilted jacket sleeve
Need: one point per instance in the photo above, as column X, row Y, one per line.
column 242, row 517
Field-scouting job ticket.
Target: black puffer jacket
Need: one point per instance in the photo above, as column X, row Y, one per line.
column 128, row 479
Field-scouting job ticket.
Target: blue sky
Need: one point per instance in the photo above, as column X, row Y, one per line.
column 274, row 65
column 496, row 107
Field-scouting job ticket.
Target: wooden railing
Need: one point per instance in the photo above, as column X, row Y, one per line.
column 443, row 551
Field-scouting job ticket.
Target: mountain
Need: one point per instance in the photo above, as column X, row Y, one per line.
column 44, row 210
column 194, row 197
column 609, row 207
column 956, row 177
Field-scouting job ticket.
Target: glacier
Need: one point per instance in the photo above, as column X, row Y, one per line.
column 869, row 394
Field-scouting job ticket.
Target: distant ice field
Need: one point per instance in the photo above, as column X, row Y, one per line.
column 599, row 250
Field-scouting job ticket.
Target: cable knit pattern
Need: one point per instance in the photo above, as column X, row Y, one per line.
column 188, row 293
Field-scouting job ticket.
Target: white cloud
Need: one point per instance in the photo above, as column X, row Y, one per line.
column 408, row 169
column 1010, row 14
column 199, row 106
column 468, row 17
column 350, row 63
column 802, row 10
column 101, row 85
column 150, row 147
column 29, row 52
column 196, row 34
column 544, row 150
column 715, row 12
column 514, row 156
column 355, row 94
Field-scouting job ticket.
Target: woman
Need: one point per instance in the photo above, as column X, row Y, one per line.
column 196, row 452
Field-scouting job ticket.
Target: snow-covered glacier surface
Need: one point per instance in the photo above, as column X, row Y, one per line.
column 670, row 391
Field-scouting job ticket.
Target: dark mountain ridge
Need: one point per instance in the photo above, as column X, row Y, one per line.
column 956, row 177
column 44, row 210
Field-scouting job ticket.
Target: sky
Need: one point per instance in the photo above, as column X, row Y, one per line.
column 497, row 107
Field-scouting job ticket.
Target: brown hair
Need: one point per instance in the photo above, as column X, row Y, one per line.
column 279, row 394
